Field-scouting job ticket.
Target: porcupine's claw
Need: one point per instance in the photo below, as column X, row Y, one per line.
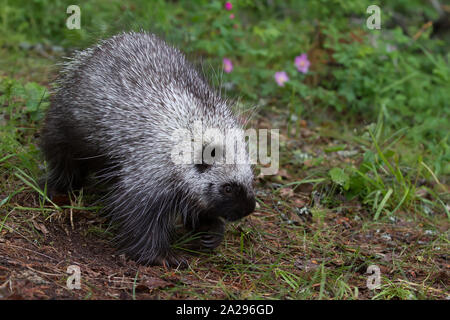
column 209, row 233
column 211, row 240
column 214, row 235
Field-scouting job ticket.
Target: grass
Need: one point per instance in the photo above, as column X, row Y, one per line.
column 356, row 187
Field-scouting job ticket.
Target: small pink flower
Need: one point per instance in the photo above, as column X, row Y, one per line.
column 302, row 63
column 281, row 77
column 231, row 16
column 227, row 65
column 228, row 5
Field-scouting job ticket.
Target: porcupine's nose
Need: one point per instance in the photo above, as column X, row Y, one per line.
column 250, row 205
column 240, row 201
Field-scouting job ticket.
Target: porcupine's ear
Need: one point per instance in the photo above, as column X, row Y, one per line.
column 203, row 165
column 211, row 153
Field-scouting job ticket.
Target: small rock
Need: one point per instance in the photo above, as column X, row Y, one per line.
column 386, row 236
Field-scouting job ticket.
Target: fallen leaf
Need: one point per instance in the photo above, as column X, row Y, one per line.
column 286, row 192
column 40, row 227
column 152, row 283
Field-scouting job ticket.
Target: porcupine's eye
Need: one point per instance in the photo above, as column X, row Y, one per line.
column 227, row 189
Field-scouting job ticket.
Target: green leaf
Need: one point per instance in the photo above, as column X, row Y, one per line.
column 383, row 204
column 339, row 177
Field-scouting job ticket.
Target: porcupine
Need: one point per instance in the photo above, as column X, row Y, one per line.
column 112, row 113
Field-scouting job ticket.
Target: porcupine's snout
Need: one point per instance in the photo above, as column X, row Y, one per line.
column 235, row 202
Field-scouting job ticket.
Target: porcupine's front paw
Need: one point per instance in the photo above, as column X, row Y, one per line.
column 212, row 234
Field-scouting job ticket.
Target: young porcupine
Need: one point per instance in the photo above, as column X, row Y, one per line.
column 113, row 113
